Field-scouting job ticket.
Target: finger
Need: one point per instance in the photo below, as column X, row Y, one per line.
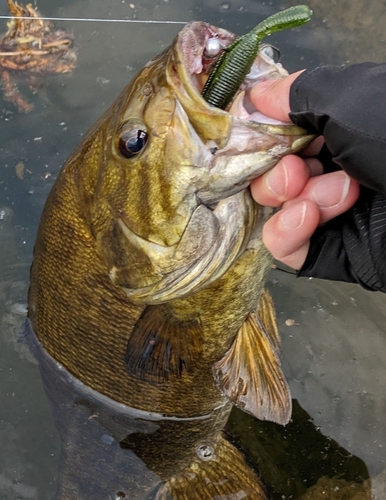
column 333, row 193
column 285, row 181
column 315, row 167
column 272, row 97
column 286, row 234
column 297, row 258
column 313, row 148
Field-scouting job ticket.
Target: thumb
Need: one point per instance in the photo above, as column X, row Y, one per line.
column 272, row 97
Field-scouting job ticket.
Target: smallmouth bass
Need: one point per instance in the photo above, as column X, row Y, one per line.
column 147, row 284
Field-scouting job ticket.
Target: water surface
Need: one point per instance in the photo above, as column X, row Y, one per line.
column 333, row 354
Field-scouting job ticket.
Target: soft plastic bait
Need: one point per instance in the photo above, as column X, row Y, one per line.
column 235, row 61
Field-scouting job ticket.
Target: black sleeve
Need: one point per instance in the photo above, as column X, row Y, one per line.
column 348, row 107
column 352, row 247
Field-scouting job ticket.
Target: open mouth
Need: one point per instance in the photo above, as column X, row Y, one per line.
column 242, row 141
column 201, row 47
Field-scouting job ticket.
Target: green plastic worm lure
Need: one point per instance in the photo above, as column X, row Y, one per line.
column 235, row 61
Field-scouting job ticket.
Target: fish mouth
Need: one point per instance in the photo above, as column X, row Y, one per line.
column 198, row 48
column 244, row 142
column 237, row 144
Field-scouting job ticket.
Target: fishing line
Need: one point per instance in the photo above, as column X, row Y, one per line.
column 92, row 20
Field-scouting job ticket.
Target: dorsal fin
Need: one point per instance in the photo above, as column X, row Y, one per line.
column 161, row 345
column 250, row 374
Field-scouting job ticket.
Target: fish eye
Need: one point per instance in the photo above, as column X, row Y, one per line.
column 132, row 142
column 271, row 52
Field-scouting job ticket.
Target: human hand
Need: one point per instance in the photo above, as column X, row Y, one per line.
column 307, row 196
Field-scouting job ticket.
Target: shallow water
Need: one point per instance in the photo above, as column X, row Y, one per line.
column 333, row 354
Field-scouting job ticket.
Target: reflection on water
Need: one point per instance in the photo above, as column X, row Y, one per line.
column 298, row 459
column 334, row 352
column 113, row 450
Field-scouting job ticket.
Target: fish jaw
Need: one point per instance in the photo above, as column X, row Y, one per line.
column 246, row 156
column 188, row 214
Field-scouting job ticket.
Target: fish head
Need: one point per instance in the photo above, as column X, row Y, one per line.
column 172, row 208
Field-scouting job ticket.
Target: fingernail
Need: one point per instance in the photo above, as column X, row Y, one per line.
column 329, row 194
column 277, row 180
column 293, row 217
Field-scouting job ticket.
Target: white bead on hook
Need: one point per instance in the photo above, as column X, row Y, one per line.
column 212, row 47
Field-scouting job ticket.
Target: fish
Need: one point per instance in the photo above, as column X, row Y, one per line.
column 147, row 303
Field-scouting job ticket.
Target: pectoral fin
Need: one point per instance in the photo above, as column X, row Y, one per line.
column 161, row 345
column 250, row 374
column 266, row 314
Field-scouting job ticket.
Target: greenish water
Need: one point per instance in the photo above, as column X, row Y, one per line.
column 333, row 354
